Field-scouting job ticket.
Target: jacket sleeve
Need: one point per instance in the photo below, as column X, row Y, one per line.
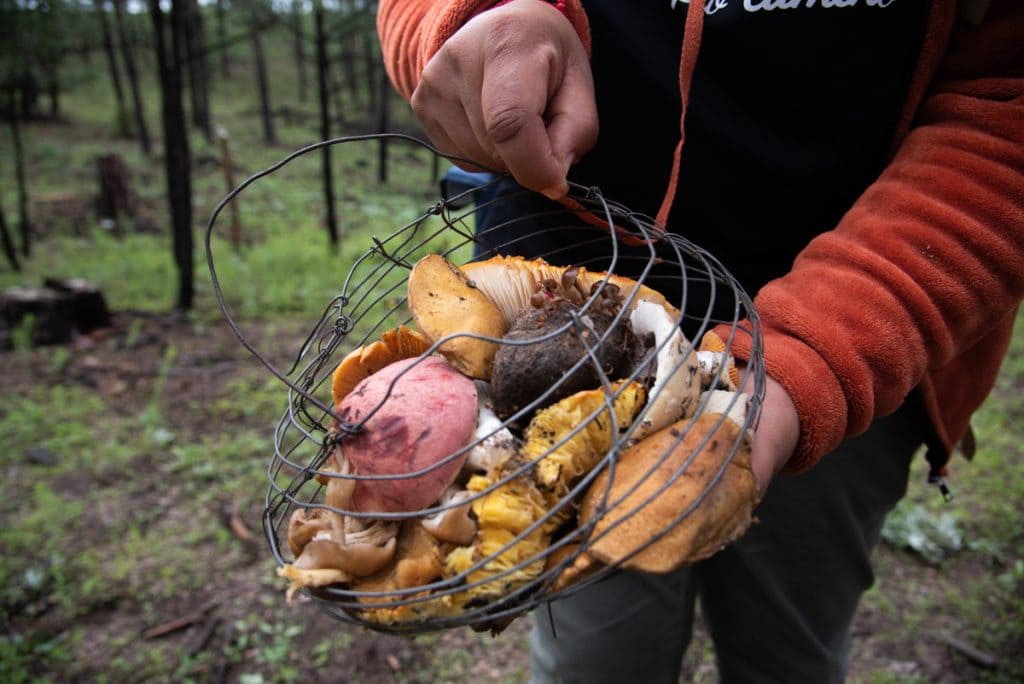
column 928, row 262
column 411, row 31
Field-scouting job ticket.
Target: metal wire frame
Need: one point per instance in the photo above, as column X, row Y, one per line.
column 372, row 300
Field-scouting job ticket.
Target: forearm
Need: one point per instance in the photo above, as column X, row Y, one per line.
column 927, row 261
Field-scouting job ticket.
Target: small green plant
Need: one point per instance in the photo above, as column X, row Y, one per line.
column 21, row 334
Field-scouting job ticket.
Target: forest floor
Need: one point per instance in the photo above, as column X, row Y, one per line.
column 135, row 461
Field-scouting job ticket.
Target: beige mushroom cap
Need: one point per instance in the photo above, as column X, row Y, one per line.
column 445, row 302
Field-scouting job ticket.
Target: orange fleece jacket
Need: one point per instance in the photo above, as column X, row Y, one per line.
column 918, row 285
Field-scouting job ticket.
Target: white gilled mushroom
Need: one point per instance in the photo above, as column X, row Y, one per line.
column 495, row 443
column 677, row 378
column 453, row 524
column 510, row 282
column 340, row 548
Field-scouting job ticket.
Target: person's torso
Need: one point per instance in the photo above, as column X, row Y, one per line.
column 792, row 113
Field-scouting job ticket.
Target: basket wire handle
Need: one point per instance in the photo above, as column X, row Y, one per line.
column 208, row 238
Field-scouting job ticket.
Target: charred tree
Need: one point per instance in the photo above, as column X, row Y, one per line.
column 53, row 83
column 168, row 36
column 222, row 39
column 141, row 130
column 115, row 199
column 347, row 60
column 24, row 225
column 383, row 123
column 115, row 72
column 370, row 59
column 325, row 123
column 8, row 244
column 299, row 46
column 262, row 81
column 199, row 91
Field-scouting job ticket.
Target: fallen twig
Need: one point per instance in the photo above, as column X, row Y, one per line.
column 179, row 623
column 975, row 655
column 203, row 637
column 235, row 523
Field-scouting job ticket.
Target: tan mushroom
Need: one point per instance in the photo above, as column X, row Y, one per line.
column 444, row 302
column 418, row 561
column 393, row 345
column 331, row 547
column 637, row 511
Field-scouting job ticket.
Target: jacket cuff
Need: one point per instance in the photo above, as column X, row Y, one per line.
column 812, row 385
column 457, row 13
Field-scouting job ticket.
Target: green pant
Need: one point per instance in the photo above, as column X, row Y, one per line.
column 778, row 603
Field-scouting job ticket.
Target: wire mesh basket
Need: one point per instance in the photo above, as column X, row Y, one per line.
column 538, row 482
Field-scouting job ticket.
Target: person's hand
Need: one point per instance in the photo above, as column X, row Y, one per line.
column 776, row 436
column 512, row 90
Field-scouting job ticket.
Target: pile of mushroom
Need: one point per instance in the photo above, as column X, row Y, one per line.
column 472, row 431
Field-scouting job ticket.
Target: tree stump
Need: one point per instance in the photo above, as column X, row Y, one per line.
column 59, row 311
column 114, row 200
column 88, row 306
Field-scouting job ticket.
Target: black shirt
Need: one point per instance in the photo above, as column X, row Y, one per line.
column 792, row 112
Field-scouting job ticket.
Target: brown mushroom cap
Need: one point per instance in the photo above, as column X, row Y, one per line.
column 444, row 302
column 632, row 521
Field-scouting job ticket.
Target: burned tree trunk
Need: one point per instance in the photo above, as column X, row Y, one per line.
column 115, row 72
column 346, row 57
column 141, row 131
column 115, row 196
column 263, row 83
column 370, row 58
column 24, row 225
column 167, row 42
column 53, row 85
column 8, row 244
column 198, row 84
column 383, row 123
column 222, row 40
column 325, row 123
column 299, row 46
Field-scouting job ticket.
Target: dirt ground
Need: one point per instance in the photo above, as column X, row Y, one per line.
column 211, row 609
